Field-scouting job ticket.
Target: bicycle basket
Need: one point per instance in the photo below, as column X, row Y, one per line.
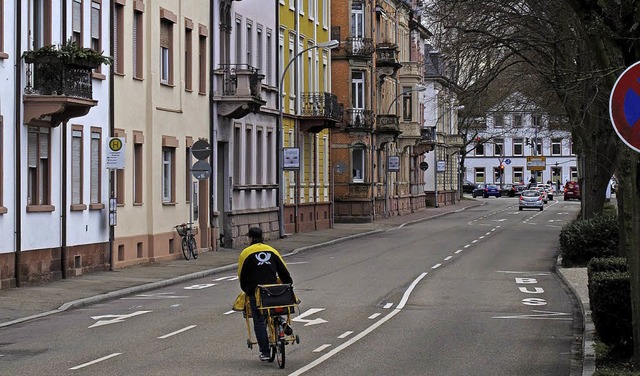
column 182, row 230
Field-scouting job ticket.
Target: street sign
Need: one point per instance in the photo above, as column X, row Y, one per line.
column 291, row 158
column 536, row 163
column 115, row 154
column 424, row 166
column 201, row 150
column 340, row 167
column 507, row 161
column 393, row 164
column 441, row 166
column 624, row 106
column 201, row 170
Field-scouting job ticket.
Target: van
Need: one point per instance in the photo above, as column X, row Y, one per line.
column 572, row 190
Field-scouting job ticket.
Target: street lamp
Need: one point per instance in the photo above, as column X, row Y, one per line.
column 280, row 136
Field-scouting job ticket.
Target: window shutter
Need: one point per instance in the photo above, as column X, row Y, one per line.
column 165, row 39
column 95, row 167
column 33, row 149
column 76, row 173
column 95, row 20
column 116, row 66
column 44, row 143
column 77, row 17
column 135, row 45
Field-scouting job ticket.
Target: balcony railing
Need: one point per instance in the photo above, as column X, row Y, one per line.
column 362, row 47
column 388, row 123
column 322, row 105
column 240, row 80
column 428, row 134
column 56, row 78
column 359, row 119
column 387, row 55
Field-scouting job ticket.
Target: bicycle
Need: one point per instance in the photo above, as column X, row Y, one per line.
column 276, row 303
column 187, row 233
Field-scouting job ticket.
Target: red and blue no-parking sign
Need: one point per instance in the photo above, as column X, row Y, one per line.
column 624, row 106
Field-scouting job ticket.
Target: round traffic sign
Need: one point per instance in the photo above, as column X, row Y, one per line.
column 201, row 170
column 507, row 161
column 624, row 106
column 115, row 144
column 201, row 149
column 424, row 166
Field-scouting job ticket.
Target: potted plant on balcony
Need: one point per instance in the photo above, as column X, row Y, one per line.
column 69, row 53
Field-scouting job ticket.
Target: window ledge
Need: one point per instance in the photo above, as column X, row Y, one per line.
column 40, row 208
column 3, row 210
column 137, row 204
column 98, row 206
column 167, row 84
column 98, row 76
column 78, row 207
column 169, row 204
column 4, row 55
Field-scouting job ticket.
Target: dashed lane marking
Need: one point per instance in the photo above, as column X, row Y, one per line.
column 388, row 305
column 94, row 361
column 374, row 316
column 345, row 334
column 321, row 348
column 177, row 332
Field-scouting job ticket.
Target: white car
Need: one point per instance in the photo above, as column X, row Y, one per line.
column 549, row 189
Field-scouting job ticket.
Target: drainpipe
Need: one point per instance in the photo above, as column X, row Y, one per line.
column 372, row 83
column 63, row 195
column 112, row 173
column 213, row 143
column 18, row 152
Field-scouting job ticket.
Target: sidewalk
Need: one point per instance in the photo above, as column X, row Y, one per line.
column 27, row 303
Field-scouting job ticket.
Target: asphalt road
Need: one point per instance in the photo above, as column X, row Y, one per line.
column 472, row 293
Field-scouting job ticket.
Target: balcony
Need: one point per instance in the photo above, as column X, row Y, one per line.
column 410, row 70
column 57, row 91
column 359, row 48
column 387, row 62
column 320, row 111
column 388, row 123
column 427, row 141
column 359, row 120
column 238, row 90
column 454, row 140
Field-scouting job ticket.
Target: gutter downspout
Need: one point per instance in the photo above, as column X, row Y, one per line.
column 296, row 106
column 279, row 138
column 112, row 173
column 373, row 82
column 212, row 141
column 63, row 165
column 18, row 151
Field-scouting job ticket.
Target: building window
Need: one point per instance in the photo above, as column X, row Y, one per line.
column 536, row 120
column 538, row 146
column 96, row 28
column 237, row 156
column 357, row 20
column 202, row 64
column 137, row 171
column 270, row 162
column 518, row 175
column 188, row 58
column 249, row 157
column 479, row 175
column 76, row 165
column 238, row 40
column 517, row 146
column 41, row 23
column 259, row 48
column 268, row 69
column 479, row 149
column 96, row 166
column 39, row 176
column 407, row 104
column 357, row 89
column 498, row 147
column 358, row 163
column 168, row 163
column 498, row 120
column 556, row 146
column 166, row 52
column 118, row 39
column 260, row 157
column 517, row 120
column 2, row 54
column 249, row 43
column 574, row 173
column 76, row 22
column 325, row 14
column 138, row 39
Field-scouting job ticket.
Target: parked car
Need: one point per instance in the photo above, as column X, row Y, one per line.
column 572, row 190
column 468, row 187
column 512, row 190
column 486, row 190
column 531, row 199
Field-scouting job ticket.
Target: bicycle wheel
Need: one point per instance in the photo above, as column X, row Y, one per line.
column 185, row 248
column 273, row 339
column 280, row 352
column 193, row 247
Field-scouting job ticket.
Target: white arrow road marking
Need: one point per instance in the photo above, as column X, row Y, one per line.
column 94, row 361
column 115, row 318
column 309, row 312
column 159, row 295
column 319, row 349
column 540, row 315
column 200, row 286
column 177, row 332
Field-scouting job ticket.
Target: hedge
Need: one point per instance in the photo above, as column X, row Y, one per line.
column 583, row 239
column 611, row 309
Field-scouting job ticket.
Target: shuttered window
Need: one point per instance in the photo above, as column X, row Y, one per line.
column 96, row 23
column 166, row 52
column 118, row 39
column 38, row 179
column 76, row 167
column 76, row 21
column 137, row 45
column 96, row 139
column 167, row 175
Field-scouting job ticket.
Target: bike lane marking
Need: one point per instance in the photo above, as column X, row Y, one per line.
column 365, row 332
column 177, row 332
column 94, row 361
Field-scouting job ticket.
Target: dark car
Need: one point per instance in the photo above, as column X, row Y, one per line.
column 468, row 187
column 572, row 190
column 486, row 190
column 512, row 190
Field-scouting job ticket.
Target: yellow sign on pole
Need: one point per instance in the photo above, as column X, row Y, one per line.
column 536, row 163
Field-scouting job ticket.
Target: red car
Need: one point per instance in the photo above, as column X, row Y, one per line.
column 572, row 190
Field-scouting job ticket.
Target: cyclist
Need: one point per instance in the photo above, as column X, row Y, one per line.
column 260, row 264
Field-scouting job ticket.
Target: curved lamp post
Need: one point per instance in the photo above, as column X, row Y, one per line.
column 280, row 136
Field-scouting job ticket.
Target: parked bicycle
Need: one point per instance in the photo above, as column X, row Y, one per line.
column 187, row 232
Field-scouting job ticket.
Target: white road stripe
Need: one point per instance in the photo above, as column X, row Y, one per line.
column 177, row 332
column 229, row 277
column 229, row 312
column 474, row 241
column 481, row 237
column 321, row 348
column 374, row 316
column 388, row 305
column 362, row 334
column 467, row 246
column 436, row 266
column 94, row 361
column 458, row 251
column 488, row 233
column 448, row 258
column 345, row 334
